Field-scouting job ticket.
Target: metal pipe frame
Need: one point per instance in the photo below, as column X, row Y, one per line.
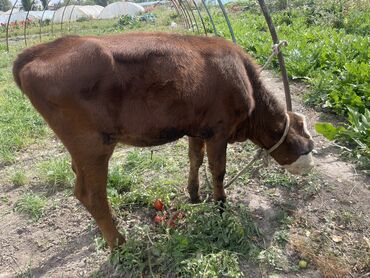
column 64, row 10
column 200, row 16
column 210, row 17
column 7, row 26
column 275, row 39
column 70, row 17
column 227, row 20
column 52, row 20
column 42, row 17
column 191, row 11
column 25, row 23
column 182, row 13
column 178, row 11
column 187, row 14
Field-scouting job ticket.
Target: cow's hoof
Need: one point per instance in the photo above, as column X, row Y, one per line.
column 221, row 206
column 195, row 200
column 119, row 242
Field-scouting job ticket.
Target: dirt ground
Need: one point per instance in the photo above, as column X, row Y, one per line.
column 331, row 216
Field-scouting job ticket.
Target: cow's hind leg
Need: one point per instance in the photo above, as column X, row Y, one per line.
column 196, row 155
column 216, row 152
column 91, row 171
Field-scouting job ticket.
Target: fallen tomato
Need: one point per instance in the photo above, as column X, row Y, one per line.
column 158, row 219
column 158, row 205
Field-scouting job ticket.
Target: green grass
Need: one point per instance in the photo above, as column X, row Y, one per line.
column 20, row 124
column 57, row 172
column 19, row 178
column 31, row 205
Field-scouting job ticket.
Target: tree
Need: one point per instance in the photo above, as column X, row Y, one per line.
column 5, row 5
column 27, row 5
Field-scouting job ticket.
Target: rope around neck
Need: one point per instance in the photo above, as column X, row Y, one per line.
column 262, row 153
column 287, row 125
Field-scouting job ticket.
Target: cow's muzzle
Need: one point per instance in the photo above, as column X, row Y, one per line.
column 301, row 166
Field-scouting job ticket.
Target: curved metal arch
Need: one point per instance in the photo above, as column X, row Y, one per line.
column 275, row 39
column 181, row 13
column 187, row 14
column 52, row 20
column 70, row 16
column 187, row 18
column 7, row 26
column 227, row 20
column 64, row 10
column 210, row 18
column 25, row 23
column 200, row 16
column 42, row 17
column 192, row 14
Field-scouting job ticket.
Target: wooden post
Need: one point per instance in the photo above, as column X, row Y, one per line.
column 280, row 55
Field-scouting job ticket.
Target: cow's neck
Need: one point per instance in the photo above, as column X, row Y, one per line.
column 267, row 122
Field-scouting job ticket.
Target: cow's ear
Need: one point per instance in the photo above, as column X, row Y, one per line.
column 302, row 124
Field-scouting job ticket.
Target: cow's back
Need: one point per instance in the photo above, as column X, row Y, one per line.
column 143, row 85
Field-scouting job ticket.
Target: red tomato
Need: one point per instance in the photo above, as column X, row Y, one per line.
column 158, row 205
column 158, row 219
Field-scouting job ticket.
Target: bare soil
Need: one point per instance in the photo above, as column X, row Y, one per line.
column 330, row 227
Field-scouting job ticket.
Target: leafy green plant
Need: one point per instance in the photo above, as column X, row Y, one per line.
column 356, row 134
column 202, row 242
column 127, row 21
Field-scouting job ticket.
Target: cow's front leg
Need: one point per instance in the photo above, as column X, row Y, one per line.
column 216, row 152
column 196, row 155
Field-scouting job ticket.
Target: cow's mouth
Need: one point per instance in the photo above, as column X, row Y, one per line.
column 302, row 165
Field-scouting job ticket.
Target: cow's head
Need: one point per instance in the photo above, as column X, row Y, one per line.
column 294, row 152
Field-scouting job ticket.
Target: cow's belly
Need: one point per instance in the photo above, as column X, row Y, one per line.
column 151, row 138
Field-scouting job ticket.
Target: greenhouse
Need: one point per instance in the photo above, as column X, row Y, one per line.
column 74, row 13
column 120, row 8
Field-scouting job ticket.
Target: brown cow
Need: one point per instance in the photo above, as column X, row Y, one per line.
column 146, row 89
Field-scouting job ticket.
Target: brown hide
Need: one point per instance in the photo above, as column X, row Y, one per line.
column 146, row 89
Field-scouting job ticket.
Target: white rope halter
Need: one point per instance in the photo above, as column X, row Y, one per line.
column 262, row 153
column 287, row 125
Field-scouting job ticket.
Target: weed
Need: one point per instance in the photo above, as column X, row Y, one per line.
column 57, row 172
column 100, row 243
column 4, row 199
column 31, row 205
column 277, row 178
column 223, row 263
column 19, row 178
column 274, row 257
